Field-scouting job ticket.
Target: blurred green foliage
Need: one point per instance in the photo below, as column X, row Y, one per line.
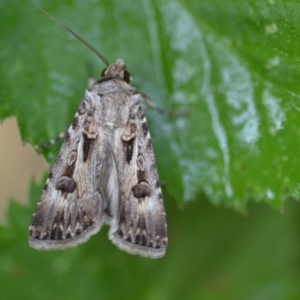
column 213, row 254
column 234, row 66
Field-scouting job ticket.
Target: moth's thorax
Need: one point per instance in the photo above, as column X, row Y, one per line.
column 113, row 99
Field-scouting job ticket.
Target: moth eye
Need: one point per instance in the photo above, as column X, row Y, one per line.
column 126, row 76
column 103, row 71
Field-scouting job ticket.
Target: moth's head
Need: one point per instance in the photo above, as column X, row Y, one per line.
column 117, row 70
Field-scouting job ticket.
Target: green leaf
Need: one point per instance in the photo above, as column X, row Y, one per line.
column 233, row 66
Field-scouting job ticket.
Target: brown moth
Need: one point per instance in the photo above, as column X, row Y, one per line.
column 105, row 173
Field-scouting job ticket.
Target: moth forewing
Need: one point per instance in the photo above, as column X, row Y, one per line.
column 105, row 172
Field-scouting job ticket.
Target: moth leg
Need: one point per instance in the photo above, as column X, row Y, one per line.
column 150, row 103
column 89, row 70
column 91, row 81
column 167, row 113
column 53, row 141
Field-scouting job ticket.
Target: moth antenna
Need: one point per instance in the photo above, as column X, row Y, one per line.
column 88, row 45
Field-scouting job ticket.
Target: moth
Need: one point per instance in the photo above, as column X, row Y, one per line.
column 105, row 173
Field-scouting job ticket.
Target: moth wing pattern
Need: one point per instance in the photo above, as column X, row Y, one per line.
column 105, row 172
column 141, row 227
column 70, row 208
